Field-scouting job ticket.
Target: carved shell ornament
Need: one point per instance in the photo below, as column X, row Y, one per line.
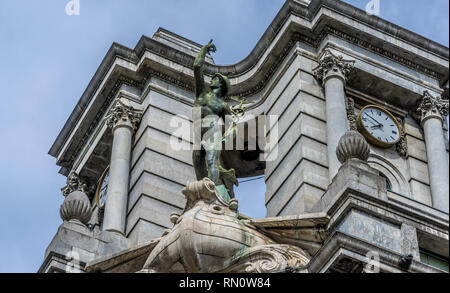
column 352, row 145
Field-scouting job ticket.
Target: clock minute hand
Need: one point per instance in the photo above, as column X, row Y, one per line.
column 379, row 124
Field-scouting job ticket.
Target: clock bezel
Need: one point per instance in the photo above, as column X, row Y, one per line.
column 99, row 186
column 370, row 138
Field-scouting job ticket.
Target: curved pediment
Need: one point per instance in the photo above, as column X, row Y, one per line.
column 297, row 22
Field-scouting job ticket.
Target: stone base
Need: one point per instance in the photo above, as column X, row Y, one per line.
column 74, row 245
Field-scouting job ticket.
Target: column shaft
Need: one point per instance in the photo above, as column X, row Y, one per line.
column 332, row 72
column 119, row 170
column 123, row 120
column 432, row 112
column 337, row 125
column 437, row 163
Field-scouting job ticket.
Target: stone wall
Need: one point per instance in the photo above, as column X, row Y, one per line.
column 158, row 173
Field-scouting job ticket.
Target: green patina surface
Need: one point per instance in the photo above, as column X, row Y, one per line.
column 212, row 108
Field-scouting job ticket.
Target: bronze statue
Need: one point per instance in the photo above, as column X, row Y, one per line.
column 211, row 108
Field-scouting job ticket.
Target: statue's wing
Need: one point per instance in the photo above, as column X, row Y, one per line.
column 307, row 231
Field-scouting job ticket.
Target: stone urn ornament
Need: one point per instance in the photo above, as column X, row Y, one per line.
column 76, row 207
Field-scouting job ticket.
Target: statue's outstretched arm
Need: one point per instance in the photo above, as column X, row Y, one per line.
column 198, row 68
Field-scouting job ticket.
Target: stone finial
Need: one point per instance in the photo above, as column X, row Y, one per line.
column 352, row 145
column 429, row 106
column 123, row 115
column 330, row 65
column 74, row 183
column 76, row 207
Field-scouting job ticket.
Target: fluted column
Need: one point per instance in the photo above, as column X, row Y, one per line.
column 432, row 112
column 124, row 121
column 332, row 72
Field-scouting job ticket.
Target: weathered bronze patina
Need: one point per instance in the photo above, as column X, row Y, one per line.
column 209, row 109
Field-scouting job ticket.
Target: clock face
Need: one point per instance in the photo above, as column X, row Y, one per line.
column 379, row 126
column 102, row 188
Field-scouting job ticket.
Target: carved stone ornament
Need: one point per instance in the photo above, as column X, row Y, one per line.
column 429, row 106
column 76, row 207
column 352, row 145
column 210, row 236
column 123, row 115
column 351, row 116
column 331, row 64
column 402, row 147
column 74, row 183
column 268, row 259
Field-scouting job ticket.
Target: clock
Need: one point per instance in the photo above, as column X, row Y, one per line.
column 379, row 126
column 102, row 188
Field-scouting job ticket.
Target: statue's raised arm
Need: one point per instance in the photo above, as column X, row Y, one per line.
column 198, row 68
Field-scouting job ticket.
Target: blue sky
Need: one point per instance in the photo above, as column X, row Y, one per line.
column 48, row 58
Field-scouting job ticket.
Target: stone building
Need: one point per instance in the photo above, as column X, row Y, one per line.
column 326, row 69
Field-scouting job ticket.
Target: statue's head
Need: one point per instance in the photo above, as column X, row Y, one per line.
column 72, row 179
column 220, row 81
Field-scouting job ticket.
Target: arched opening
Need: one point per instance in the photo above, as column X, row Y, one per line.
column 388, row 183
column 251, row 196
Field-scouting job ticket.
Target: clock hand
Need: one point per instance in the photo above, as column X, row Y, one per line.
column 374, row 119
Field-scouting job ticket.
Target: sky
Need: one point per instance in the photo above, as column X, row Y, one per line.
column 47, row 59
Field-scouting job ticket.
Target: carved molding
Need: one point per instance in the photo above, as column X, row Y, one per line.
column 402, row 147
column 82, row 142
column 311, row 40
column 74, row 183
column 332, row 65
column 429, row 106
column 351, row 115
column 377, row 50
column 268, row 259
column 123, row 115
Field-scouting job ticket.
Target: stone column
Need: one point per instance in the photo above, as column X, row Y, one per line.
column 124, row 121
column 432, row 112
column 332, row 72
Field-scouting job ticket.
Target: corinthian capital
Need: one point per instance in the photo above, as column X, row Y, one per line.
column 332, row 65
column 429, row 106
column 123, row 115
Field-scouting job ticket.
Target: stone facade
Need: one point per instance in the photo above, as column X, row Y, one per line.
column 315, row 74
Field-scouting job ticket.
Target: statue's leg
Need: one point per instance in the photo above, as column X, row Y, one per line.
column 212, row 164
column 198, row 159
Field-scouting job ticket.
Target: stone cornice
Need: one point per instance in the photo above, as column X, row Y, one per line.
column 262, row 75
